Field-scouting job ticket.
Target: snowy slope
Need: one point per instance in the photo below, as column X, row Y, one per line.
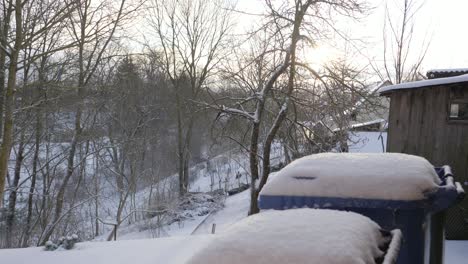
column 219, row 173
column 140, row 230
column 235, row 208
column 173, row 250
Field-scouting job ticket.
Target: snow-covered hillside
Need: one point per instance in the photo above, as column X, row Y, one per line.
column 96, row 197
column 209, row 182
column 215, row 175
column 235, row 208
column 189, row 225
column 168, row 250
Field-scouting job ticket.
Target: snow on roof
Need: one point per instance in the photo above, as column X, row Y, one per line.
column 375, row 88
column 379, row 85
column 296, row 236
column 424, row 83
column 362, row 124
column 387, row 176
column 372, row 122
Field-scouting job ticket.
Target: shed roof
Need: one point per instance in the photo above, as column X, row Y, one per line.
column 448, row 70
column 424, row 83
column 443, row 73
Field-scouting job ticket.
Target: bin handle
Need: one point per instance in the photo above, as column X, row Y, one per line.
column 447, row 171
column 460, row 191
column 394, row 247
column 447, row 195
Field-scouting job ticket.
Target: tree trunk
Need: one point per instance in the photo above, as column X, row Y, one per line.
column 4, row 27
column 70, row 162
column 279, row 119
column 46, row 201
column 287, row 157
column 33, row 180
column 253, row 155
column 10, row 219
column 10, row 99
column 186, row 150
column 180, row 147
column 96, row 199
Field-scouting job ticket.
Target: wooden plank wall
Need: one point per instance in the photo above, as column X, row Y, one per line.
column 419, row 125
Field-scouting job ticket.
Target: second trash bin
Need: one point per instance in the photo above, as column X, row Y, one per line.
column 395, row 190
column 302, row 236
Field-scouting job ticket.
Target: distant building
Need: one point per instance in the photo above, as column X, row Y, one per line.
column 368, row 137
column 367, row 129
column 429, row 118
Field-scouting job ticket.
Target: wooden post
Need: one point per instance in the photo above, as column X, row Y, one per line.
column 115, row 232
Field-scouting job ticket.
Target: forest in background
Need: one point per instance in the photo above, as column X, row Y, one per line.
column 90, row 116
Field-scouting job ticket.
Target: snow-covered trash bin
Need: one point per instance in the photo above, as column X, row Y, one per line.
column 302, row 236
column 397, row 191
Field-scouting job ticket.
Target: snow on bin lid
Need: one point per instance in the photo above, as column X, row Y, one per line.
column 296, row 236
column 386, row 176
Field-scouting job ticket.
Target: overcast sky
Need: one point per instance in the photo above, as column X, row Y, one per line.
column 441, row 22
column 450, row 39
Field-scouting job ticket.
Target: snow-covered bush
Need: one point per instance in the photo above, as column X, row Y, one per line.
column 69, row 242
column 62, row 243
column 50, row 246
column 185, row 208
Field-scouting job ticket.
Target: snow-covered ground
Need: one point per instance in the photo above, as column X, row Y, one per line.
column 188, row 236
column 235, row 208
column 188, row 218
column 223, row 172
column 220, row 173
column 131, row 247
column 144, row 251
column 367, row 142
column 176, row 249
column 456, row 252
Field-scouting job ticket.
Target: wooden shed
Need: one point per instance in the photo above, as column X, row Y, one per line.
column 429, row 118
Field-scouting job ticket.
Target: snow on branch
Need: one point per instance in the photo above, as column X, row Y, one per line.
column 228, row 110
column 236, row 111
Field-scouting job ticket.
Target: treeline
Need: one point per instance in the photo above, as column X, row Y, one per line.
column 88, row 122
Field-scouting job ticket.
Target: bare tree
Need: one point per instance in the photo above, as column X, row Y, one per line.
column 47, row 46
column 82, row 98
column 7, row 11
column 288, row 25
column 402, row 62
column 92, row 27
column 192, row 35
column 27, row 14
